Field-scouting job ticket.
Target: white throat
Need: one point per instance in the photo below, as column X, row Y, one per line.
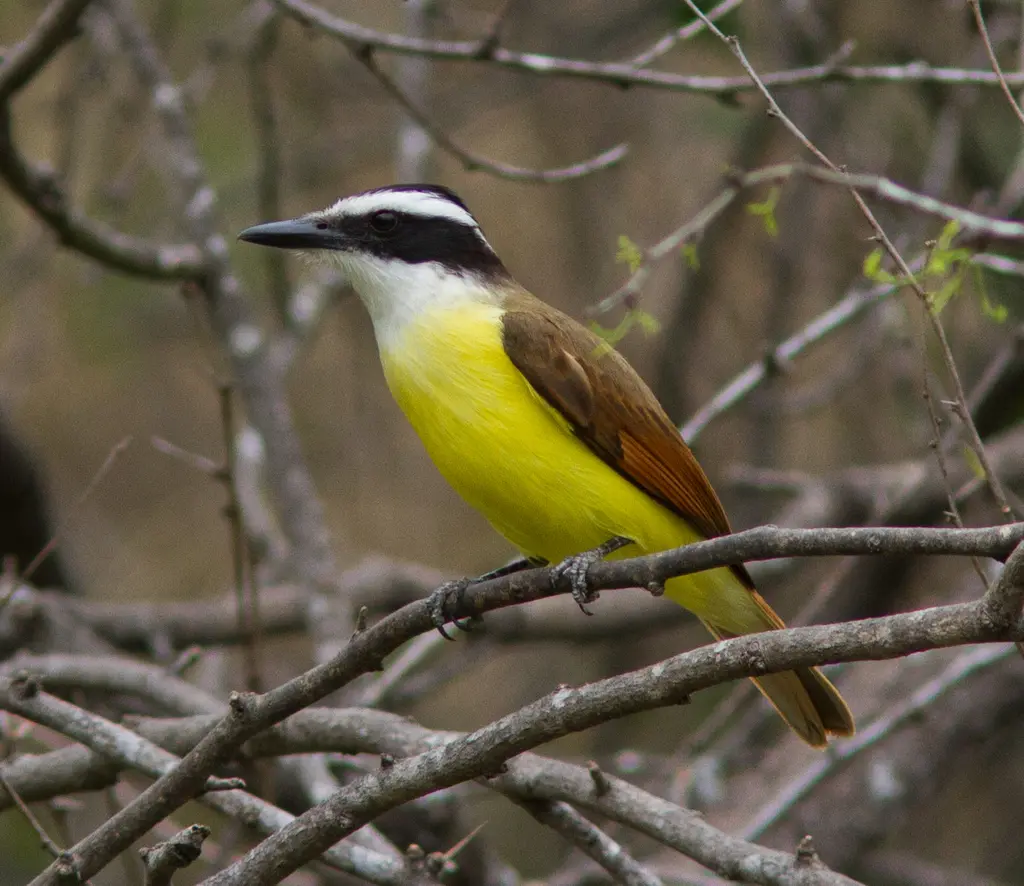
column 397, row 293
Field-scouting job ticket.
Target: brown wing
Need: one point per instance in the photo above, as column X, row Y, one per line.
column 610, row 409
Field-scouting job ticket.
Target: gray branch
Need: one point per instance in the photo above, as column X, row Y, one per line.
column 622, row 74
column 641, row 690
column 165, row 859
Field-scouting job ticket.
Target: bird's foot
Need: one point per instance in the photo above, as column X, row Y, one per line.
column 448, row 599
column 576, row 567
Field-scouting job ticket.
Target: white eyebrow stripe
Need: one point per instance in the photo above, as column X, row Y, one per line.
column 413, row 202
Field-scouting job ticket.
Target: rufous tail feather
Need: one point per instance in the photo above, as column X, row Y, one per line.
column 804, row 698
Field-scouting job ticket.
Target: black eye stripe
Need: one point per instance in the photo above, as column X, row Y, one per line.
column 413, row 238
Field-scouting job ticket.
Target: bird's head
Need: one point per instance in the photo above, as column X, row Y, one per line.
column 400, row 247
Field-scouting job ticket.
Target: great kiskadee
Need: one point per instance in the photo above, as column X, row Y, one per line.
column 534, row 420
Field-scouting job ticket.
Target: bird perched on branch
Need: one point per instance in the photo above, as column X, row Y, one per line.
column 533, row 419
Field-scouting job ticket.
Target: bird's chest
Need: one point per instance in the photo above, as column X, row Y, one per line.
column 465, row 399
column 492, row 437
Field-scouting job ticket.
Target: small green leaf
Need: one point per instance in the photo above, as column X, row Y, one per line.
column 647, row 322
column 690, row 256
column 873, row 268
column 873, row 263
column 610, row 336
column 945, row 238
column 943, row 259
column 991, row 309
column 766, row 211
column 937, row 301
column 633, row 317
column 974, row 463
column 629, row 254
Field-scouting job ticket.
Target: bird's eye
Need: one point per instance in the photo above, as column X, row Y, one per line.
column 384, row 221
column 322, row 226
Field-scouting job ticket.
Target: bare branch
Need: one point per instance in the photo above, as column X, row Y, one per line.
column 877, row 186
column 250, row 715
column 164, row 859
column 260, row 382
column 41, row 193
column 44, row 838
column 592, row 841
column 115, row 674
column 386, row 584
column 129, row 750
column 847, row 309
column 624, row 74
column 471, row 161
column 57, row 25
column 967, row 663
column 909, row 279
column 979, row 20
column 688, row 31
column 527, row 777
column 570, row 709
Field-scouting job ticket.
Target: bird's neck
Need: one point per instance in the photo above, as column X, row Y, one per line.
column 400, row 294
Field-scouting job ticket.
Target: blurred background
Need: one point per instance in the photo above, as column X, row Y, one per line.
column 89, row 357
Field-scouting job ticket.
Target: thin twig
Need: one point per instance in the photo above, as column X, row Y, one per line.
column 906, row 711
column 742, row 385
column 472, row 161
column 936, row 445
column 1003, row 85
column 115, row 453
column 57, row 25
column 246, row 593
column 200, row 462
column 623, row 74
column 44, row 838
column 591, row 840
column 259, row 62
column 909, row 279
column 686, row 32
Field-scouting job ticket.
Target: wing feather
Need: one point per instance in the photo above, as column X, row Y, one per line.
column 611, row 410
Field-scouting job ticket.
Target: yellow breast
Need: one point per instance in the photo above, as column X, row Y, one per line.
column 504, row 450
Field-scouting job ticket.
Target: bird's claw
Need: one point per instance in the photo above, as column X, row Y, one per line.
column 576, row 567
column 446, row 599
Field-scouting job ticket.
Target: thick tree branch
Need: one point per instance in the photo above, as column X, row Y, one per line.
column 568, row 710
column 252, row 714
column 123, row 748
column 353, row 731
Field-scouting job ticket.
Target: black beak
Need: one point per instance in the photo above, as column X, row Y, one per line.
column 297, row 233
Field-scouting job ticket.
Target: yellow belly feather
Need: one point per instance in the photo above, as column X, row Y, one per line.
column 515, row 459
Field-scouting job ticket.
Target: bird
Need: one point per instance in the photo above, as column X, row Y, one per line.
column 536, row 421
